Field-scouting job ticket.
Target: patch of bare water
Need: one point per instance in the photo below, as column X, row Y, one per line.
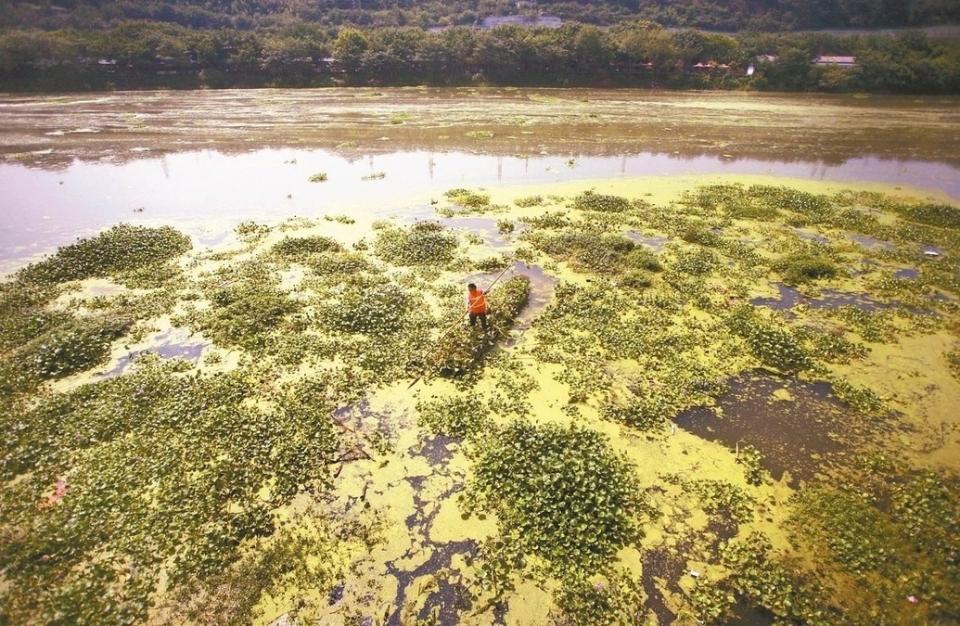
column 798, row 426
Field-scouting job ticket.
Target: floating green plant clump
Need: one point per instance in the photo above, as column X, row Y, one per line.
column 801, row 268
column 71, row 347
column 468, row 199
column 773, row 345
column 590, row 201
column 528, row 201
column 244, row 313
column 459, row 351
column 118, row 249
column 424, row 243
column 455, row 416
column 559, row 493
column 376, row 311
column 300, row 247
column 319, row 177
column 591, row 252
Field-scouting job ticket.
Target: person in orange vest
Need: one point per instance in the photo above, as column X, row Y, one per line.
column 477, row 306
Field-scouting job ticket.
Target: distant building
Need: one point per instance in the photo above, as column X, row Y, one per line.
column 767, row 58
column 107, row 62
column 528, row 21
column 846, row 62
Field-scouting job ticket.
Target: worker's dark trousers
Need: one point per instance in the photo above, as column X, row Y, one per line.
column 482, row 317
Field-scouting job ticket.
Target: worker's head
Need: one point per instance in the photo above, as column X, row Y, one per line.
column 471, row 287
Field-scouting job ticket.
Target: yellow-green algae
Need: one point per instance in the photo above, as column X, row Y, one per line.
column 375, row 531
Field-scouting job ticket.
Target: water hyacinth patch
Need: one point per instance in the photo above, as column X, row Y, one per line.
column 591, row 252
column 117, row 249
column 604, row 203
column 173, row 465
column 301, row 247
column 802, row 268
column 528, row 201
column 375, row 311
column 70, row 347
column 468, row 199
column 559, row 493
column 243, row 313
column 454, row 416
column 424, row 243
column 773, row 345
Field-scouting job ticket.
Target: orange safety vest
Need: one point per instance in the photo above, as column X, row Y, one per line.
column 477, row 302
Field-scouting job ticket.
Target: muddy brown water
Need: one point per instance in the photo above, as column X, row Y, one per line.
column 71, row 165
column 803, row 435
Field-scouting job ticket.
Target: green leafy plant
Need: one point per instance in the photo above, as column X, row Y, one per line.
column 590, row 201
column 801, row 268
column 456, row 416
column 424, row 243
column 117, row 249
column 558, row 492
column 301, row 247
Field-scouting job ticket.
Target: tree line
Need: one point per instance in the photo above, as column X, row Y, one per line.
column 636, row 53
column 730, row 15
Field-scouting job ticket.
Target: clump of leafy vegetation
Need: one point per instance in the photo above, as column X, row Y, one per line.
column 773, row 345
column 456, row 416
column 863, row 399
column 699, row 262
column 505, row 227
column 758, row 576
column 647, row 411
column 560, row 493
column 941, row 215
column 375, row 311
column 468, row 199
column 591, row 201
column 71, row 347
column 617, row 598
column 802, row 268
column 459, row 351
column 424, row 243
column 734, row 200
column 251, row 231
column 337, row 264
column 23, row 315
column 549, row 221
column 117, row 249
column 887, row 528
column 752, row 461
column 244, row 312
column 528, row 201
column 319, row 177
column 301, row 247
column 492, row 263
column 700, row 234
column 591, row 252
column 182, row 470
